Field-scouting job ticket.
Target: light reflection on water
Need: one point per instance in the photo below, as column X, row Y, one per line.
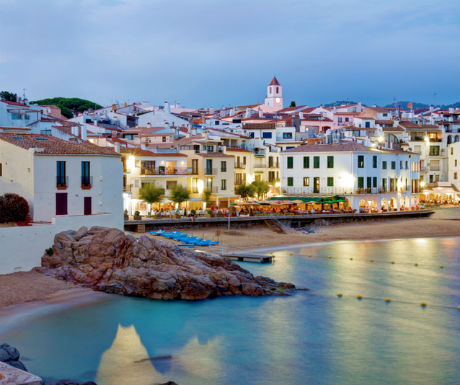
column 313, row 337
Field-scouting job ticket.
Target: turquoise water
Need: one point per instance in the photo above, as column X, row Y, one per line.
column 312, row 337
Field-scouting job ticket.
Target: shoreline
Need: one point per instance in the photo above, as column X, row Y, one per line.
column 15, row 315
column 27, row 295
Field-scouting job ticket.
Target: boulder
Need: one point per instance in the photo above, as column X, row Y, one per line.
column 109, row 260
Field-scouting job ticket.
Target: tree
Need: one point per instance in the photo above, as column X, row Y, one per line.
column 151, row 194
column 246, row 190
column 292, row 104
column 207, row 195
column 8, row 96
column 261, row 188
column 179, row 194
column 69, row 106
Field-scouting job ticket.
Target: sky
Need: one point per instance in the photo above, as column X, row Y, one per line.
column 221, row 53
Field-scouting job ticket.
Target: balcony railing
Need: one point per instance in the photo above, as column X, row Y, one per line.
column 62, row 182
column 210, row 171
column 167, row 171
column 86, row 182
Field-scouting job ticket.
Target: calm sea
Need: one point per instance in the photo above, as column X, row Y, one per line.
column 312, row 337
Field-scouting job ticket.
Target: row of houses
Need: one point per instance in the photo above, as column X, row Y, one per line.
column 96, row 163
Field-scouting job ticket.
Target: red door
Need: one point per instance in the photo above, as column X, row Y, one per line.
column 61, row 203
column 87, row 205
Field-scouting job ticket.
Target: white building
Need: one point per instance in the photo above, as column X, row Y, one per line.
column 60, row 178
column 367, row 177
column 454, row 166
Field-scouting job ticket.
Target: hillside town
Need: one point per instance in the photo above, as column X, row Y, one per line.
column 238, row 160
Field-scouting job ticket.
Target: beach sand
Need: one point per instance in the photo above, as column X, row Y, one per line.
column 262, row 237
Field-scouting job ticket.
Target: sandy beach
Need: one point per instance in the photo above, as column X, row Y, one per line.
column 31, row 287
column 262, row 237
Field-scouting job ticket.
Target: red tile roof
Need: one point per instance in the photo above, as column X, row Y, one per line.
column 51, row 145
column 353, row 146
column 14, row 103
column 237, row 149
column 140, row 152
column 274, row 82
column 215, row 155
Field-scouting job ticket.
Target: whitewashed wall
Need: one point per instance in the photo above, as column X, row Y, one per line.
column 22, row 247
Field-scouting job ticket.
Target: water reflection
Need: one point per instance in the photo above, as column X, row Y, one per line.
column 127, row 361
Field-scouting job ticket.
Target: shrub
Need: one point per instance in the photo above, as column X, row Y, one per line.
column 50, row 251
column 137, row 213
column 13, row 208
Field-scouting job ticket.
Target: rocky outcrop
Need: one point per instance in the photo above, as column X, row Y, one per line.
column 109, row 260
column 10, row 355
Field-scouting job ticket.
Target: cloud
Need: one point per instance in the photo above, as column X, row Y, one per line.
column 214, row 52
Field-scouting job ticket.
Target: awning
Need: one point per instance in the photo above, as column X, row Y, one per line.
column 325, row 199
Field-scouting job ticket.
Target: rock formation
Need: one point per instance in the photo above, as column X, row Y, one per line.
column 10, row 355
column 107, row 259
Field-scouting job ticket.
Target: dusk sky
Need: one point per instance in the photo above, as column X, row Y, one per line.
column 214, row 53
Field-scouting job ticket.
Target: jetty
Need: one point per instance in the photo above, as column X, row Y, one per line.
column 249, row 258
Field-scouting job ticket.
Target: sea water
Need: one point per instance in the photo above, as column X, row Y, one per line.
column 311, row 337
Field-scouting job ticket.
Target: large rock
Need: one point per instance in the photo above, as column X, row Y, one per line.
column 108, row 260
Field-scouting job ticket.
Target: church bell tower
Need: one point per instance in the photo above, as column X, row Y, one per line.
column 274, row 97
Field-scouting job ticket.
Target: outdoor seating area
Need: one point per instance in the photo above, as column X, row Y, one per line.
column 184, row 238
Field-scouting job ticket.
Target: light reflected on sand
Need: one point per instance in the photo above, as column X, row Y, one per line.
column 127, row 362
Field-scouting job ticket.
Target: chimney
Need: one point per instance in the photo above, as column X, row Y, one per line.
column 117, row 147
column 166, row 108
column 301, row 115
column 84, row 132
column 149, row 125
column 261, row 115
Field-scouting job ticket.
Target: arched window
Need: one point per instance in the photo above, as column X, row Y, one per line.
column 457, row 138
column 449, row 139
column 277, row 89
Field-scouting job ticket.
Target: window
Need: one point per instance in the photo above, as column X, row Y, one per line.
column 208, row 166
column 360, row 161
column 368, row 182
column 287, row 135
column 400, row 164
column 451, row 151
column 347, row 120
column 330, row 181
column 290, row 181
column 360, row 182
column 223, row 166
column 316, row 185
column 384, row 165
column 330, row 162
column 209, row 184
column 196, row 147
column 171, row 184
column 306, row 181
column 434, row 150
column 455, row 175
column 316, row 161
column 306, row 162
column 290, row 162
column 339, row 119
column 163, row 139
column 194, row 166
column 407, row 165
column 455, row 163
column 367, row 125
column 223, row 184
column 392, row 184
column 209, row 148
column 374, row 161
column 266, row 135
column 60, row 173
column 384, row 184
column 85, row 174
column 87, row 209
column 393, row 165
column 195, row 185
column 374, row 181
column 0, row 169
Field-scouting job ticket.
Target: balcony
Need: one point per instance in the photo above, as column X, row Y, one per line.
column 167, row 171
column 62, row 182
column 86, row 182
column 210, row 171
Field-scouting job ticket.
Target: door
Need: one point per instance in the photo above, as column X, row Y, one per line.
column 61, row 203
column 316, row 185
column 87, row 205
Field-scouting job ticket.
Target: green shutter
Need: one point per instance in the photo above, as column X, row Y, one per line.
column 290, row 181
column 330, row 181
column 306, row 162
column 360, row 182
column 330, row 162
column 316, row 162
column 290, row 162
